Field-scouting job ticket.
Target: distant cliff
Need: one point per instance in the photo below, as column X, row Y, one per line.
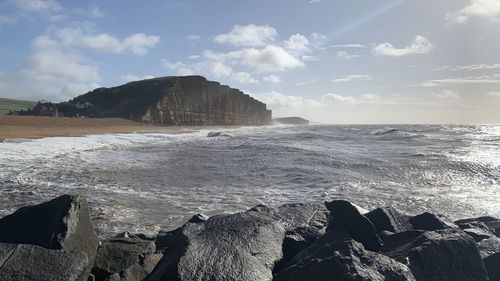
column 291, row 121
column 187, row 100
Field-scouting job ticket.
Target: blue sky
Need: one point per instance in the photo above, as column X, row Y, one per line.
column 378, row 61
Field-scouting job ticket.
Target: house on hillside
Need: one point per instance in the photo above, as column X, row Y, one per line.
column 84, row 105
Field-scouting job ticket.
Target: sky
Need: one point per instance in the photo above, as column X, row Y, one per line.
column 330, row 61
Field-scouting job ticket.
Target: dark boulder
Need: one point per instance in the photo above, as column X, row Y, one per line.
column 492, row 264
column 431, row 222
column 491, row 222
column 388, row 219
column 165, row 238
column 477, row 230
column 344, row 215
column 62, row 223
column 397, row 240
column 343, row 261
column 21, row 262
column 443, row 255
column 131, row 258
column 242, row 246
column 488, row 247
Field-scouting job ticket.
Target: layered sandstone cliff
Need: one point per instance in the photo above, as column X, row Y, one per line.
column 187, row 100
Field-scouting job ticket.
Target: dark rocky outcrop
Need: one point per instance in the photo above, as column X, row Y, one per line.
column 343, row 261
column 442, row 255
column 488, row 247
column 389, row 219
column 344, row 215
column 295, row 242
column 290, row 121
column 431, row 222
column 132, row 259
column 492, row 264
column 186, row 100
column 62, row 223
column 20, row 262
column 242, row 246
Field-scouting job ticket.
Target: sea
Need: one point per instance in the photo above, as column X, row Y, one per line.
column 144, row 182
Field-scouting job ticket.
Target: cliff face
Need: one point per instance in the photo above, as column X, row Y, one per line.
column 188, row 100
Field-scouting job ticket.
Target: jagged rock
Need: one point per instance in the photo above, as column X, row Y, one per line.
column 345, row 215
column 242, row 246
column 443, row 255
column 488, row 247
column 165, row 238
column 128, row 257
column 303, row 223
column 343, row 261
column 62, row 223
column 431, row 222
column 492, row 264
column 21, row 262
column 477, row 229
column 492, row 223
column 388, row 219
column 396, row 240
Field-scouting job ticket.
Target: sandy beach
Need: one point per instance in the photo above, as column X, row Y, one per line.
column 33, row 127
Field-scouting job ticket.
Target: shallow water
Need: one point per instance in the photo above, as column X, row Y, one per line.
column 143, row 182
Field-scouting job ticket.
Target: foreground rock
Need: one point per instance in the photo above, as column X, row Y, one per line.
column 21, row 262
column 62, row 223
column 388, row 219
column 344, row 215
column 242, row 246
column 492, row 264
column 442, row 255
column 343, row 261
column 130, row 259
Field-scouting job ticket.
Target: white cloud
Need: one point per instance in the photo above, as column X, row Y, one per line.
column 269, row 58
column 485, row 79
column 130, row 77
column 421, row 45
column 334, row 98
column 297, row 43
column 358, row 46
column 489, row 9
column 52, row 72
column 248, row 36
column 37, row 5
column 314, row 1
column 138, row 43
column 346, row 55
column 193, row 37
column 276, row 100
column 446, row 94
column 95, row 12
column 244, row 78
column 494, row 94
column 219, row 69
column 371, row 97
column 6, row 20
column 478, row 67
column 352, row 77
column 272, row 79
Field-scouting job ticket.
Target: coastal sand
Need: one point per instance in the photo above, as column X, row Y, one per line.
column 33, row 127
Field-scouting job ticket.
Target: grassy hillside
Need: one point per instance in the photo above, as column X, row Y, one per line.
column 10, row 104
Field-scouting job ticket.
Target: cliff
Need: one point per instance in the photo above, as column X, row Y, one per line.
column 291, row 121
column 187, row 100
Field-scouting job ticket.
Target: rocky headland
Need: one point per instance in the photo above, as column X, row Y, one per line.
column 172, row 100
column 290, row 121
column 336, row 240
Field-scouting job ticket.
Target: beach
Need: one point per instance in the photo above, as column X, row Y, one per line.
column 35, row 127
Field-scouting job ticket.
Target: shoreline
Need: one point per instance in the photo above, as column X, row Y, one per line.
column 38, row 127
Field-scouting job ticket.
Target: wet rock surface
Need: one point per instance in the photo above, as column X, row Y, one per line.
column 21, row 262
column 331, row 241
